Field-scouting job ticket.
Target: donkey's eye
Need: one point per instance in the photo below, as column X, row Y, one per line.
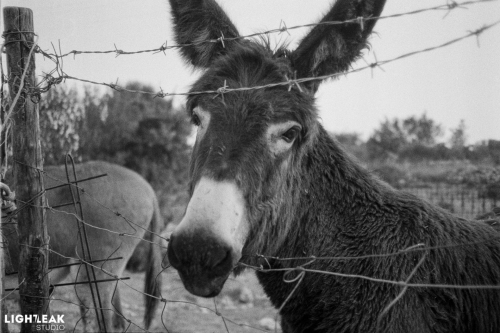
column 195, row 119
column 291, row 134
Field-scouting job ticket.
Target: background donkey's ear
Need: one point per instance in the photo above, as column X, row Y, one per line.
column 201, row 20
column 330, row 49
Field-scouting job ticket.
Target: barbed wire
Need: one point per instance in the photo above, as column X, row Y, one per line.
column 448, row 7
column 57, row 75
column 51, row 80
column 372, row 279
column 420, row 247
column 310, row 260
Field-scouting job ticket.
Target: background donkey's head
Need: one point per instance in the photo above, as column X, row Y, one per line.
column 245, row 169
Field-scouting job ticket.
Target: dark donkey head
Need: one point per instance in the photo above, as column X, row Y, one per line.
column 246, row 165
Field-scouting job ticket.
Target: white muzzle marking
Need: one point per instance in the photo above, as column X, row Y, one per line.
column 217, row 208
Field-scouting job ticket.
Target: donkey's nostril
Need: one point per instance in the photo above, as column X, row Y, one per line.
column 199, row 253
column 171, row 253
column 222, row 261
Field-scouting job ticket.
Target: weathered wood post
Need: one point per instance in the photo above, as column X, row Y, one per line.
column 27, row 163
column 3, row 311
column 7, row 205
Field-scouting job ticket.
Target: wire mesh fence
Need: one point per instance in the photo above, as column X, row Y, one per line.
column 463, row 200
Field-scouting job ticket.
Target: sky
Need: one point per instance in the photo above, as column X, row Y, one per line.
column 461, row 81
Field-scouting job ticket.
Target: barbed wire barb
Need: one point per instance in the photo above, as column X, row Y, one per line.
column 162, row 48
column 283, row 27
column 222, row 90
column 221, row 39
column 477, row 33
column 452, row 5
column 361, row 22
column 118, row 51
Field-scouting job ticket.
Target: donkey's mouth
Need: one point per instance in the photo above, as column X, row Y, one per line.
column 203, row 286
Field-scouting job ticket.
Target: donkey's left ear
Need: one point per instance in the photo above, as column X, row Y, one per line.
column 330, row 49
column 195, row 23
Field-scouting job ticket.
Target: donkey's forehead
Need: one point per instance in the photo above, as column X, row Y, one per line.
column 252, row 65
column 246, row 65
column 264, row 106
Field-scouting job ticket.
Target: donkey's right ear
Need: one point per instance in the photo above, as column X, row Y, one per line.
column 331, row 48
column 195, row 23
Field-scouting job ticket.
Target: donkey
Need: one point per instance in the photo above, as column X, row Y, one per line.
column 267, row 180
column 122, row 191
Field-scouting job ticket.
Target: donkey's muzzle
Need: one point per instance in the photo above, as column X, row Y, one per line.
column 203, row 262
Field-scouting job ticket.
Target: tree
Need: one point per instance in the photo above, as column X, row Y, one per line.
column 458, row 138
column 387, row 140
column 93, row 131
column 348, row 139
column 494, row 149
column 412, row 136
column 61, row 113
column 353, row 143
column 422, row 131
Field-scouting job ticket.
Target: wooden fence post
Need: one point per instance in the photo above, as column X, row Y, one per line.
column 3, row 325
column 7, row 196
column 27, row 163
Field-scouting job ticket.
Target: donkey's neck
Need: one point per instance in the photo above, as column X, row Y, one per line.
column 336, row 194
column 336, row 216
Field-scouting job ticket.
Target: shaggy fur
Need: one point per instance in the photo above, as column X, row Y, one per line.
column 349, row 213
column 314, row 200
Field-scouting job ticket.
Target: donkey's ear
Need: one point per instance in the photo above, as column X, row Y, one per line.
column 196, row 21
column 330, row 49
